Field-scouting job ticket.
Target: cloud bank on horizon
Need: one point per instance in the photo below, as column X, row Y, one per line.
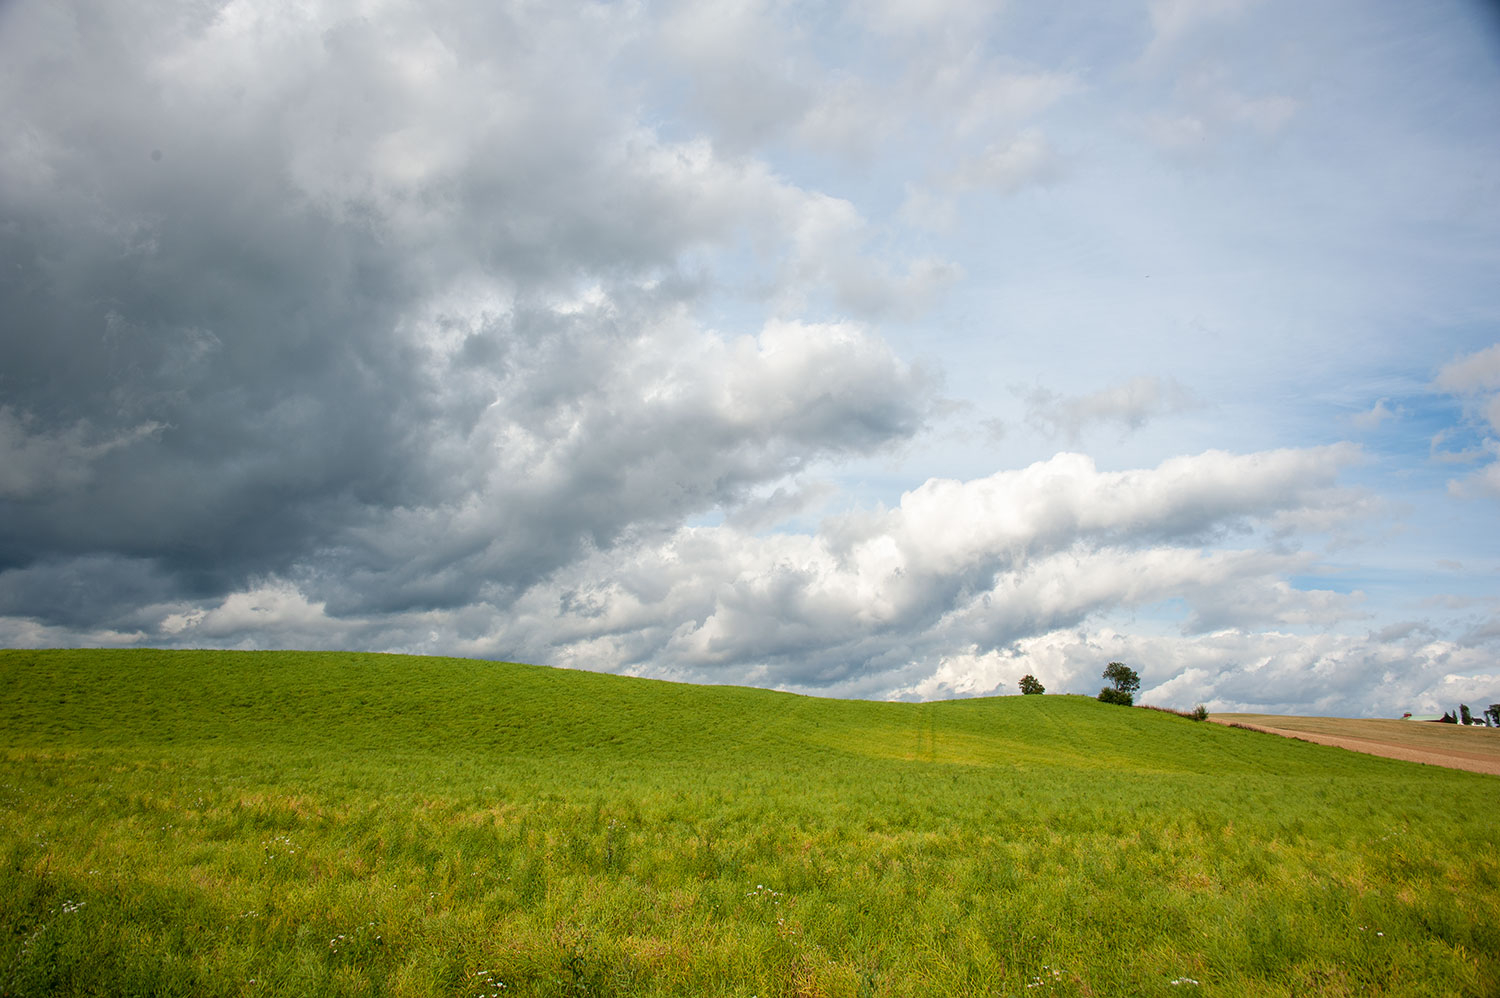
column 878, row 350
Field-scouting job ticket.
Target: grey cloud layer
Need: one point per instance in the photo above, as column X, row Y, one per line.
column 927, row 598
column 1475, row 379
column 1129, row 405
column 878, row 597
column 404, row 319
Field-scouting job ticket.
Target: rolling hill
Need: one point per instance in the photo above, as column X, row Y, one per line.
column 252, row 823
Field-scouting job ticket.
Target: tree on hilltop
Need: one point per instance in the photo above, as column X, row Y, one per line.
column 1030, row 685
column 1124, row 682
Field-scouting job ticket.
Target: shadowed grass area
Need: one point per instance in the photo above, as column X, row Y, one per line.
column 293, row 823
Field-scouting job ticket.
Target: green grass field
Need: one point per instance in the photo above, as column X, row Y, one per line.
column 245, row 823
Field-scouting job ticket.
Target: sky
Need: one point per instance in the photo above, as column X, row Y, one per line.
column 889, row 349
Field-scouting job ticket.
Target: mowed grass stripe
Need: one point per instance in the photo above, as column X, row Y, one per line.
column 326, row 823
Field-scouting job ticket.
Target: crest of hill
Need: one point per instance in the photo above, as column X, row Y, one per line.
column 373, row 705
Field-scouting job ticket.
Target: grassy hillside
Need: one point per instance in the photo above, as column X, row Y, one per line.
column 222, row 823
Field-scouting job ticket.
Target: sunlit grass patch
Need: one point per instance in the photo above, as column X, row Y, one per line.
column 190, row 823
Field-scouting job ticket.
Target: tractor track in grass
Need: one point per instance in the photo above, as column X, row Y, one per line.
column 1453, row 746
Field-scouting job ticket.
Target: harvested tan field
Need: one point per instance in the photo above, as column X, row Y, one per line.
column 1453, row 745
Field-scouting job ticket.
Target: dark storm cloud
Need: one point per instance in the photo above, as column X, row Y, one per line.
column 390, row 306
column 93, row 590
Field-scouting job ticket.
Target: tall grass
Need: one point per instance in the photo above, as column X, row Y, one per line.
column 217, row 823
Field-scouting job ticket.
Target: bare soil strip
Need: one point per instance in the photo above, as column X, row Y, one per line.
column 1454, row 746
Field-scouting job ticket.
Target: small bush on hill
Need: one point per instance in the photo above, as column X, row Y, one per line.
column 1125, row 681
column 1030, row 685
column 1198, row 713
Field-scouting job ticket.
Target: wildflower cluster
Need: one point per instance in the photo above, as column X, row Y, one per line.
column 362, row 935
column 764, row 893
column 1050, row 975
column 281, row 845
column 490, row 985
column 68, row 907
